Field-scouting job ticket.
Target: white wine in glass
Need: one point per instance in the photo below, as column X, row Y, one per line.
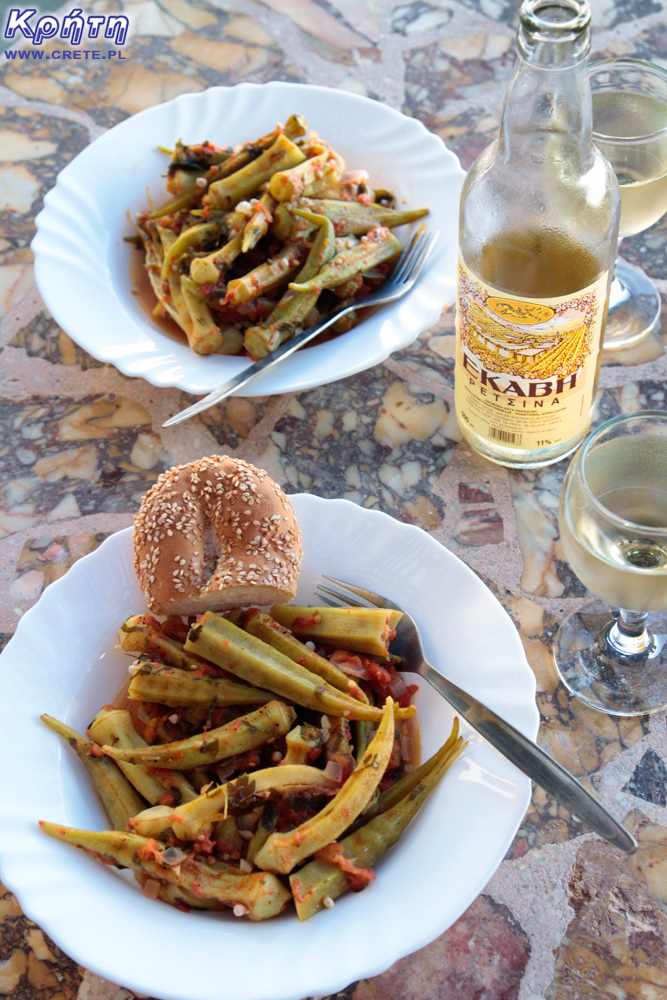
column 630, row 128
column 613, row 523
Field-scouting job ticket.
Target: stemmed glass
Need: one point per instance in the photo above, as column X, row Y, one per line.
column 630, row 128
column 611, row 654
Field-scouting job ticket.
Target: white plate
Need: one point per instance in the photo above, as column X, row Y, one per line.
column 62, row 661
column 82, row 263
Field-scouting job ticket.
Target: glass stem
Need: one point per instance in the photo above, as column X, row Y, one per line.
column 629, row 636
column 618, row 293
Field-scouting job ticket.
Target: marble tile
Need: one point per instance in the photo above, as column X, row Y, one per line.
column 615, row 944
column 73, row 458
column 482, row 955
column 42, row 338
column 45, row 559
column 31, row 965
column 76, row 456
column 391, row 438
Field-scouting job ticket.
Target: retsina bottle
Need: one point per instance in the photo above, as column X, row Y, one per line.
column 538, row 228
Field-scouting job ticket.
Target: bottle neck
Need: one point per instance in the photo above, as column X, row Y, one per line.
column 548, row 109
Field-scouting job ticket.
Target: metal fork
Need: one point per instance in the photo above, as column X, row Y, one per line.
column 516, row 747
column 400, row 281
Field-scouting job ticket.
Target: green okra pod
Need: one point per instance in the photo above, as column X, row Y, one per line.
column 301, row 743
column 262, row 894
column 265, row 276
column 283, row 851
column 266, row 628
column 281, row 155
column 362, row 630
column 263, row 830
column 297, row 180
column 192, row 238
column 293, row 308
column 170, row 686
column 192, row 819
column 118, row 796
column 356, row 218
column 321, row 880
column 114, row 726
column 141, row 634
column 258, row 223
column 376, row 247
column 209, row 268
column 243, row 734
column 228, row 646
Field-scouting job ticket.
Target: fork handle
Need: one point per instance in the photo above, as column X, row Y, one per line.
column 255, row 369
column 533, row 761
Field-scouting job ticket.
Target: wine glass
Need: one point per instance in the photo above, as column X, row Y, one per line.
column 611, row 654
column 630, row 128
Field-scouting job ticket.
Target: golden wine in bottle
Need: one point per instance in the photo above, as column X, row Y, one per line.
column 538, row 230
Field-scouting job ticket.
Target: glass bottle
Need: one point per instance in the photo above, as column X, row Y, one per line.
column 538, row 231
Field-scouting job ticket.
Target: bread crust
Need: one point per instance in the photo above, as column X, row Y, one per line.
column 215, row 534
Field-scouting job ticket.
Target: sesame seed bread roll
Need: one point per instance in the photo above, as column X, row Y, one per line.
column 213, row 535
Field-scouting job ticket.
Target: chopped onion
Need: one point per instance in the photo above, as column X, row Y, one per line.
column 350, row 668
column 150, row 889
column 397, row 687
column 406, row 745
column 355, row 177
column 334, row 770
column 143, row 714
column 223, row 771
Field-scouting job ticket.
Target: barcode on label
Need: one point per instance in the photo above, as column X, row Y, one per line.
column 507, row 437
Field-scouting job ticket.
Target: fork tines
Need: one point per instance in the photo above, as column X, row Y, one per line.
column 413, row 254
column 341, row 600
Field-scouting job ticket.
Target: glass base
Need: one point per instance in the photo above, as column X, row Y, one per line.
column 634, row 307
column 597, row 674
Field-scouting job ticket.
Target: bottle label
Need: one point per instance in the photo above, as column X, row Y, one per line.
column 526, row 368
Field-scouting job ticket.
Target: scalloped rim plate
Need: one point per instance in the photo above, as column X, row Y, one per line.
column 79, row 243
column 62, row 661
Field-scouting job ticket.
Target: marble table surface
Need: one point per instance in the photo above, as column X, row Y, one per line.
column 565, row 916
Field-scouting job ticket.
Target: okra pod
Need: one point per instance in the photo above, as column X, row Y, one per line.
column 118, row 796
column 259, row 222
column 394, row 793
column 191, row 819
column 362, row 630
column 176, row 896
column 114, row 726
column 170, row 686
column 283, row 851
column 262, row 894
column 286, row 226
column 320, row 879
column 264, row 829
column 228, row 646
column 294, row 307
column 191, row 238
column 203, row 333
column 264, row 627
column 209, row 268
column 267, row 275
column 302, row 742
column 140, row 635
column 356, row 218
column 244, row 182
column 298, row 180
column 376, row 247
column 243, row 734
